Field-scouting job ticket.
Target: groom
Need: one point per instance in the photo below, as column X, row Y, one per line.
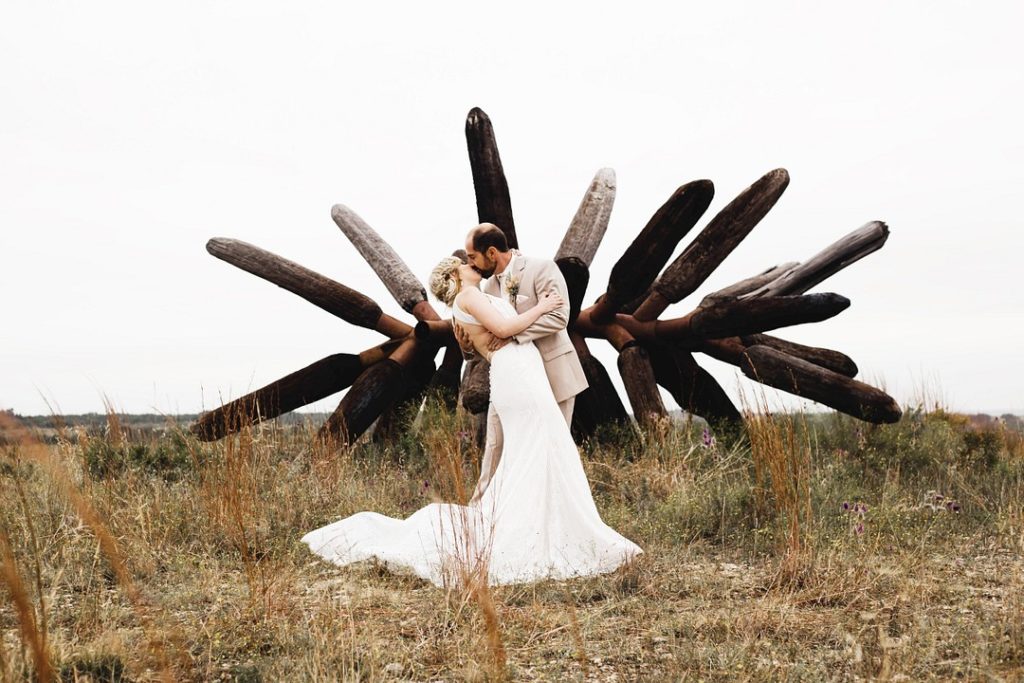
column 521, row 279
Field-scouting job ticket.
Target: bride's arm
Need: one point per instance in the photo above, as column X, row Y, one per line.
column 475, row 302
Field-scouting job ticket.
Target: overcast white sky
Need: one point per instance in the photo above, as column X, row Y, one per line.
column 130, row 133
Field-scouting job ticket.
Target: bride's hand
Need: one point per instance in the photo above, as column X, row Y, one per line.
column 551, row 301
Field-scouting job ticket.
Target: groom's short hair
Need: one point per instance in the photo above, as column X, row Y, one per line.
column 487, row 235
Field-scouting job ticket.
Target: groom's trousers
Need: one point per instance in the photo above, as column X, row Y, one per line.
column 494, row 441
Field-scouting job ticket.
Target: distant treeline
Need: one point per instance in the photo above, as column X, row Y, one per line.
column 99, row 420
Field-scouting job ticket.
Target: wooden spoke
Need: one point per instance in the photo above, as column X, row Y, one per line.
column 302, row 387
column 331, row 296
column 714, row 243
column 577, row 277
column 641, row 388
column 777, row 369
column 476, row 386
column 598, row 404
column 390, row 268
column 493, row 204
column 866, row 239
column 591, row 220
column 375, row 390
column 748, row 285
column 692, row 387
column 638, row 267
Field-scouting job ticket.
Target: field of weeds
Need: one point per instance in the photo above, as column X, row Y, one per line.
column 815, row 547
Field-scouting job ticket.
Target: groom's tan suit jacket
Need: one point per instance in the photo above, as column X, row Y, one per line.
column 536, row 276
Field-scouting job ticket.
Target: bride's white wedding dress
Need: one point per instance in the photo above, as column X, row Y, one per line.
column 536, row 519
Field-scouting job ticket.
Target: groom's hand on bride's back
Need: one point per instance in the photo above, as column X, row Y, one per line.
column 465, row 340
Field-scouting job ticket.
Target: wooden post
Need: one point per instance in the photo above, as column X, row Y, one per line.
column 591, row 220
column 493, row 204
column 714, row 243
column 641, row 387
column 331, row 296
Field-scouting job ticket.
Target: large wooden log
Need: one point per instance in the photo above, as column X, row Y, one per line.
column 493, row 204
column 723, row 319
column 749, row 284
column 599, row 404
column 591, row 220
column 736, row 317
column 641, row 387
column 714, row 243
column 640, row 264
column 476, row 385
column 731, row 349
column 390, row 268
column 438, row 332
column 417, row 380
column 692, row 387
column 577, row 277
column 321, row 379
column 375, row 390
column 826, row 358
column 777, row 369
column 333, row 297
column 866, row 239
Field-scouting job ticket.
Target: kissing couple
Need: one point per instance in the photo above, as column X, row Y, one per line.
column 531, row 515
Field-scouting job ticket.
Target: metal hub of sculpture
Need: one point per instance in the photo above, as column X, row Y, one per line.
column 729, row 324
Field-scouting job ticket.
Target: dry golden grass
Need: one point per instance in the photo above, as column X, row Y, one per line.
column 137, row 556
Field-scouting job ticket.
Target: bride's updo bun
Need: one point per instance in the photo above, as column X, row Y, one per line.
column 444, row 279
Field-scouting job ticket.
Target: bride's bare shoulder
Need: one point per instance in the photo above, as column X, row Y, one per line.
column 467, row 295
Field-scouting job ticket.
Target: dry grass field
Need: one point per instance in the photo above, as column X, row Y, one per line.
column 816, row 548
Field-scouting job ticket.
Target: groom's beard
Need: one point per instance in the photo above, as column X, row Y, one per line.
column 485, row 273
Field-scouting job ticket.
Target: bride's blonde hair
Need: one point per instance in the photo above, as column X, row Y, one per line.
column 444, row 279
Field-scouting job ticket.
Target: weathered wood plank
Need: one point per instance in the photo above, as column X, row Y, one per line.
column 849, row 249
column 788, row 373
column 323, row 292
column 591, row 220
column 493, row 204
column 714, row 243
column 407, row 290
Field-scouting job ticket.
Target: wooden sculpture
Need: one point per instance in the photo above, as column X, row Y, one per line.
column 729, row 325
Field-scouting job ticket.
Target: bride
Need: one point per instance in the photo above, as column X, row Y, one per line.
column 537, row 518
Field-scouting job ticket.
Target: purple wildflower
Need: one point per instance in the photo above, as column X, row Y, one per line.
column 709, row 440
column 846, row 506
column 860, row 528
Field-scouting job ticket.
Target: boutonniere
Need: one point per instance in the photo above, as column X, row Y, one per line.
column 512, row 286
